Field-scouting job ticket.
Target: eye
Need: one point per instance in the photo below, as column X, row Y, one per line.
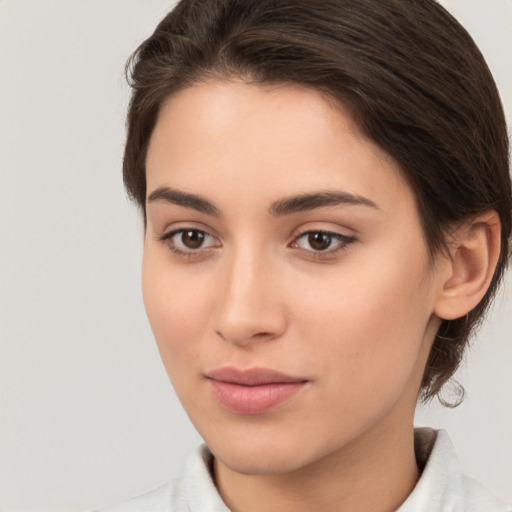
column 322, row 241
column 187, row 240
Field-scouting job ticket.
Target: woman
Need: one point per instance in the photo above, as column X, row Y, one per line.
column 327, row 209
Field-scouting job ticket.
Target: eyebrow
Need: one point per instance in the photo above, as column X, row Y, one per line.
column 184, row 199
column 315, row 200
column 286, row 206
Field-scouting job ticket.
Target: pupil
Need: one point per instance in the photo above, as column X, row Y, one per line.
column 319, row 241
column 192, row 239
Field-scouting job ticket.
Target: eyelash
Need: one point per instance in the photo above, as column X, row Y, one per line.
column 343, row 245
column 166, row 239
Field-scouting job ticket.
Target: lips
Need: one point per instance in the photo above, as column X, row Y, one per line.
column 254, row 390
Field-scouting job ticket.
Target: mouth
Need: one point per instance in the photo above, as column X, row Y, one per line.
column 254, row 390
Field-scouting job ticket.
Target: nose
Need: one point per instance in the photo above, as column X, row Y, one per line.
column 250, row 307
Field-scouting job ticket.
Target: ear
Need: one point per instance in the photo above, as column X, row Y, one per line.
column 474, row 255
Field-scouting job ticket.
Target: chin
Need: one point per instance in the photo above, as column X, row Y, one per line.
column 253, row 460
column 262, row 451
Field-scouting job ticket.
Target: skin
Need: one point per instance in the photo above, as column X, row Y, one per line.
column 356, row 320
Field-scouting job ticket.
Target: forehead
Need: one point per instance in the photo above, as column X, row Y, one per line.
column 274, row 140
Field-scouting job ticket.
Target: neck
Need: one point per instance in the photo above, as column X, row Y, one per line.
column 377, row 472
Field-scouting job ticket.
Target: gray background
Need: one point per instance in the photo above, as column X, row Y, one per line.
column 87, row 415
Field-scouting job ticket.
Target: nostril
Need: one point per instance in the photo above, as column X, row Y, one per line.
column 241, row 338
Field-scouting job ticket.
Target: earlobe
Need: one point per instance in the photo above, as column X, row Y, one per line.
column 475, row 252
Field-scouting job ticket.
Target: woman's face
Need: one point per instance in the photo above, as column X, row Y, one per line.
column 285, row 275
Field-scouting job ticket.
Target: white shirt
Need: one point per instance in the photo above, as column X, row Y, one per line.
column 441, row 488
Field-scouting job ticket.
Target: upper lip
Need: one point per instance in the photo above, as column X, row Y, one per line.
column 255, row 376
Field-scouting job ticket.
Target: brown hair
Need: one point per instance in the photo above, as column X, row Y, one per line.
column 412, row 76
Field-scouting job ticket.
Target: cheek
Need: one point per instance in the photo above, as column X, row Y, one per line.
column 178, row 308
column 366, row 323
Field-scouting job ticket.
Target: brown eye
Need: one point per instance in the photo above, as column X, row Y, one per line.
column 192, row 239
column 323, row 242
column 319, row 241
column 189, row 241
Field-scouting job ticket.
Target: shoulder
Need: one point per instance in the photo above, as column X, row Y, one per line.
column 477, row 498
column 195, row 491
column 442, row 486
column 167, row 498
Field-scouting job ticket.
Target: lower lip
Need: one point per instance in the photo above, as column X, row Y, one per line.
column 253, row 399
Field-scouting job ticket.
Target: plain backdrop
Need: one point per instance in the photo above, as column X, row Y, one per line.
column 87, row 414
